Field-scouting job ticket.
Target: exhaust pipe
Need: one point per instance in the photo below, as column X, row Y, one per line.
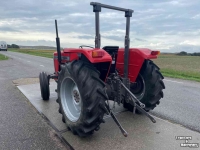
column 58, row 45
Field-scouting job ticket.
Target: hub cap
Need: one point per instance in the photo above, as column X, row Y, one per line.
column 70, row 99
column 138, row 88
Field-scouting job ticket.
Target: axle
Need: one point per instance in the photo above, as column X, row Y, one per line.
column 140, row 106
column 115, row 91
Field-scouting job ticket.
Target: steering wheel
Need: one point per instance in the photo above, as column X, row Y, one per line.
column 85, row 46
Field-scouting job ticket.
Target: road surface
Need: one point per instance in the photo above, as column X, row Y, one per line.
column 21, row 126
column 181, row 102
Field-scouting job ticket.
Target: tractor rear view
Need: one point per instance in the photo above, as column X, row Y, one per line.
column 88, row 77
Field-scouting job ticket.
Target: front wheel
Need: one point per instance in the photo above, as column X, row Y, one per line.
column 44, row 86
column 148, row 87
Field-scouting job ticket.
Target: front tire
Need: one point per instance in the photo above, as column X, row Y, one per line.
column 44, row 86
column 81, row 97
column 150, row 89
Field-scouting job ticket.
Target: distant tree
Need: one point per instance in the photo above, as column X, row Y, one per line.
column 183, row 53
column 14, row 46
column 195, row 54
column 9, row 46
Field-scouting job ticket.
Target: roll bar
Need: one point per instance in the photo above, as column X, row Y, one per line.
column 128, row 13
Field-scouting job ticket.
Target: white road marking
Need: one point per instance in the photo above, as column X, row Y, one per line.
column 28, row 61
column 42, row 65
column 173, row 81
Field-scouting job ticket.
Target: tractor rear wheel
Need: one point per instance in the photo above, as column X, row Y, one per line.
column 148, row 87
column 44, row 85
column 81, row 97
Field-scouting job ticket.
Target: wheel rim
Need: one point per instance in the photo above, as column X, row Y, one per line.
column 138, row 88
column 70, row 99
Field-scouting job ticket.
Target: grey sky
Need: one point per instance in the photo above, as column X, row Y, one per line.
column 171, row 25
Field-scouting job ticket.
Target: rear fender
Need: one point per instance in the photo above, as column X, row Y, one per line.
column 88, row 54
column 69, row 54
column 137, row 57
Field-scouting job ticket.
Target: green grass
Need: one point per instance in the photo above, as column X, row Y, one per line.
column 183, row 67
column 3, row 57
column 43, row 53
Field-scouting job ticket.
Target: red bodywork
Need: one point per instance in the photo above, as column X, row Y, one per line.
column 70, row 54
column 136, row 59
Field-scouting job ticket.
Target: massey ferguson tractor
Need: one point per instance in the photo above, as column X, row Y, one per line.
column 88, row 78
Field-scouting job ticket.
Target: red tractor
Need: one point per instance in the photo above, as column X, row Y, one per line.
column 88, row 77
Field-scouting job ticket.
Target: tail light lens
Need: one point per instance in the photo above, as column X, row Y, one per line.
column 97, row 54
column 155, row 52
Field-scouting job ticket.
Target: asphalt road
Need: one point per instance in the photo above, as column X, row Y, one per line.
column 21, row 126
column 181, row 102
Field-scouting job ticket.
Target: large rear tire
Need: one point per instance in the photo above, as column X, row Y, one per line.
column 44, row 86
column 81, row 97
column 148, row 87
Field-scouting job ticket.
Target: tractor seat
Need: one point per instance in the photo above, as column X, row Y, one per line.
column 111, row 49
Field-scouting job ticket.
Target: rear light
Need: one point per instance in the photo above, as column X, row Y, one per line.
column 97, row 54
column 155, row 52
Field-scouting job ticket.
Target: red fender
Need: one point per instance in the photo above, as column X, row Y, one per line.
column 136, row 60
column 70, row 54
column 88, row 53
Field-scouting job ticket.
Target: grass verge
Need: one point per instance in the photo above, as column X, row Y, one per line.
column 3, row 57
column 182, row 67
column 42, row 53
column 181, row 75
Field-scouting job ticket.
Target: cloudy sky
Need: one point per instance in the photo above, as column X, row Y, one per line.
column 167, row 25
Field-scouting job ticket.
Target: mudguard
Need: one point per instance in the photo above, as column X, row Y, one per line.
column 136, row 60
column 88, row 53
column 70, row 54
